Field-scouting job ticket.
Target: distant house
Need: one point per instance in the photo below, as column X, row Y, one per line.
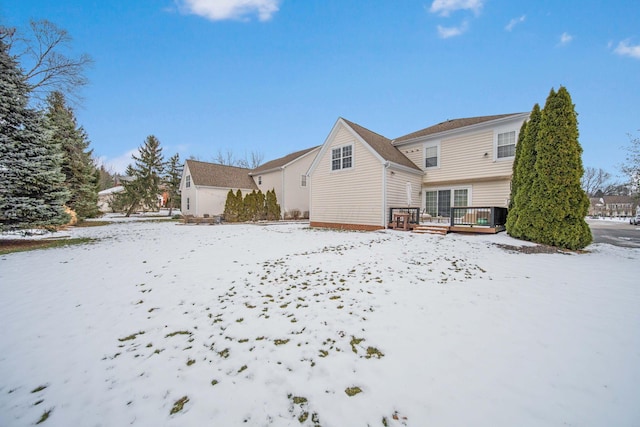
column 288, row 177
column 358, row 174
column 613, row 206
column 204, row 186
column 105, row 197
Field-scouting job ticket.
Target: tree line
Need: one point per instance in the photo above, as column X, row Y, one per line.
column 255, row 206
column 47, row 173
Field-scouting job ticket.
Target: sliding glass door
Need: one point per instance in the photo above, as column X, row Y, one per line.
column 438, row 202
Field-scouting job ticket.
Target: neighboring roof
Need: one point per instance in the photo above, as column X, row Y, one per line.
column 282, row 161
column 112, row 190
column 215, row 175
column 614, row 199
column 451, row 125
column 381, row 145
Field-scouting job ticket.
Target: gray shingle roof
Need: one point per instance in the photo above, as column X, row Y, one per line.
column 215, row 175
column 451, row 125
column 277, row 163
column 382, row 145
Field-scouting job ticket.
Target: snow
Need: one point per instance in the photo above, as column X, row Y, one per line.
column 459, row 331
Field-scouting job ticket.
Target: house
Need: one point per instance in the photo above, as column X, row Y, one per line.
column 359, row 175
column 105, row 198
column 613, row 206
column 204, row 186
column 287, row 176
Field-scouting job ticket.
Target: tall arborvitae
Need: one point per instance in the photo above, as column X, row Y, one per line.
column 558, row 205
column 230, row 207
column 32, row 193
column 77, row 163
column 172, row 179
column 273, row 208
column 518, row 221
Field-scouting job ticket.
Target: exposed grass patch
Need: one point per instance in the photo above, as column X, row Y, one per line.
column 179, row 405
column 45, row 415
column 352, row 391
column 214, row 382
column 83, row 224
column 373, row 352
column 131, row 337
column 8, row 246
column 243, row 368
column 173, row 334
column 354, row 342
column 280, row 342
column 39, row 388
column 190, row 362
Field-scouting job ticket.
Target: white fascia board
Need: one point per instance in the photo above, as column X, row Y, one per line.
column 465, row 129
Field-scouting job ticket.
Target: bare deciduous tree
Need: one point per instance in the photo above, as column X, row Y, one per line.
column 44, row 55
column 251, row 161
column 594, row 179
column 631, row 167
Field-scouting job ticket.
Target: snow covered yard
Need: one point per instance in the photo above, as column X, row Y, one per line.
column 166, row 324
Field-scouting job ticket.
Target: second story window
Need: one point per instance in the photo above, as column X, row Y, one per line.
column 342, row 157
column 259, row 179
column 303, row 180
column 506, row 146
column 432, row 156
column 187, row 181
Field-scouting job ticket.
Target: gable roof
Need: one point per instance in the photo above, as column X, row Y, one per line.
column 282, row 161
column 452, row 125
column 215, row 175
column 381, row 145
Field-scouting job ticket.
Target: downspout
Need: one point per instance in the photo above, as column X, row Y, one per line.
column 283, row 198
column 385, row 166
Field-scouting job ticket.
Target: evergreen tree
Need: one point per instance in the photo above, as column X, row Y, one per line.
column 239, row 207
column 146, row 174
column 230, row 207
column 261, row 205
column 32, row 193
column 77, row 163
column 558, row 205
column 105, row 178
column 524, row 174
column 273, row 208
column 172, row 181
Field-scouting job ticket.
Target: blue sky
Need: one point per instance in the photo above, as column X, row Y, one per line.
column 273, row 76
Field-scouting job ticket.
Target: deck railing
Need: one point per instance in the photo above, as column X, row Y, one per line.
column 486, row 216
column 414, row 214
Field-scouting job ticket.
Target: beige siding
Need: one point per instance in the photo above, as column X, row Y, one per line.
column 352, row 196
column 493, row 193
column 295, row 195
column 271, row 181
column 463, row 157
column 397, row 189
column 414, row 152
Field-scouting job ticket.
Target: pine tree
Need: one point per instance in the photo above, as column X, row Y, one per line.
column 172, row 180
column 518, row 221
column 77, row 162
column 146, row 174
column 239, row 207
column 32, row 193
column 558, row 204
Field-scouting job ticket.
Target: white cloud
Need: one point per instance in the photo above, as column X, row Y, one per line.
column 447, row 32
column 514, row 22
column 120, row 163
column 219, row 10
column 626, row 49
column 445, row 7
column 565, row 38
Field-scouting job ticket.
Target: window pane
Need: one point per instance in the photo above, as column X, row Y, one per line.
column 335, row 164
column 346, row 162
column 460, row 197
column 431, row 155
column 431, row 202
column 506, row 144
column 444, row 203
column 346, row 151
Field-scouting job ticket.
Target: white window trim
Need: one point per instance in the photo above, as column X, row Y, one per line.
column 469, row 189
column 303, row 180
column 353, row 157
column 424, row 155
column 497, row 132
column 187, row 182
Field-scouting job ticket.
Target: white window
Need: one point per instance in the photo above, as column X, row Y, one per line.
column 506, row 145
column 259, row 179
column 342, row 157
column 439, row 202
column 432, row 156
column 188, row 204
column 187, row 181
column 303, row 180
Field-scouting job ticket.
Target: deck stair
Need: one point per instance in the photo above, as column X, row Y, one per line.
column 431, row 229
